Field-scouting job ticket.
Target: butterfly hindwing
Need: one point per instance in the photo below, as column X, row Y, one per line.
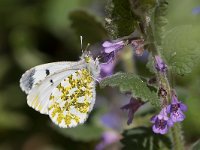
column 72, row 99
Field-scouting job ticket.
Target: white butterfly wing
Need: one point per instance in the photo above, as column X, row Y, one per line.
column 63, row 90
column 73, row 99
column 38, row 97
column 37, row 74
column 39, row 81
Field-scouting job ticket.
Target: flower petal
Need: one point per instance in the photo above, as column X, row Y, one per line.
column 168, row 110
column 130, row 117
column 153, row 119
column 174, row 99
column 164, row 131
column 107, row 44
column 110, row 47
column 107, row 69
column 155, row 130
column 170, row 123
column 183, row 107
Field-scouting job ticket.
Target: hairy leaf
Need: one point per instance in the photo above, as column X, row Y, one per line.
column 181, row 48
column 128, row 82
column 120, row 20
column 142, row 138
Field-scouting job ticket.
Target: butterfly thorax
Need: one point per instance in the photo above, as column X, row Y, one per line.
column 92, row 65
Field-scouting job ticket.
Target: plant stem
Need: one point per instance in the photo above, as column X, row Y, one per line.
column 177, row 137
column 154, row 35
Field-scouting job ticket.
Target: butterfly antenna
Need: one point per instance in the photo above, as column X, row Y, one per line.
column 81, row 39
column 87, row 47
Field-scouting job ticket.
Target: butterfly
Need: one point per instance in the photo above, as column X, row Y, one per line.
column 63, row 90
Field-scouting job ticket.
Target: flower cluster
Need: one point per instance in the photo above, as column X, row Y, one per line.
column 168, row 116
column 170, row 113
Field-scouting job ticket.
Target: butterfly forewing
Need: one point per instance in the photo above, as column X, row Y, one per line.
column 72, row 99
column 36, row 75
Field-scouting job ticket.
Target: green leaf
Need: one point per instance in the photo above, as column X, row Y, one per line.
column 120, row 20
column 82, row 132
column 196, row 145
column 128, row 82
column 181, row 48
column 142, row 138
column 88, row 26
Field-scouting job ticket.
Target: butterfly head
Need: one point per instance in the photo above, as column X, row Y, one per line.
column 91, row 64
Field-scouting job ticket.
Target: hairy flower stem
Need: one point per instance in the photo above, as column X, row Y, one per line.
column 177, row 137
column 161, row 77
column 154, row 34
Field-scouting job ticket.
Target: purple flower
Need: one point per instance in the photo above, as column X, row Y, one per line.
column 176, row 109
column 107, row 68
column 112, row 46
column 161, row 122
column 196, row 10
column 132, row 107
column 160, row 65
column 108, row 137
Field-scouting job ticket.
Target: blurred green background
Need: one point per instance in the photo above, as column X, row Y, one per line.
column 33, row 32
